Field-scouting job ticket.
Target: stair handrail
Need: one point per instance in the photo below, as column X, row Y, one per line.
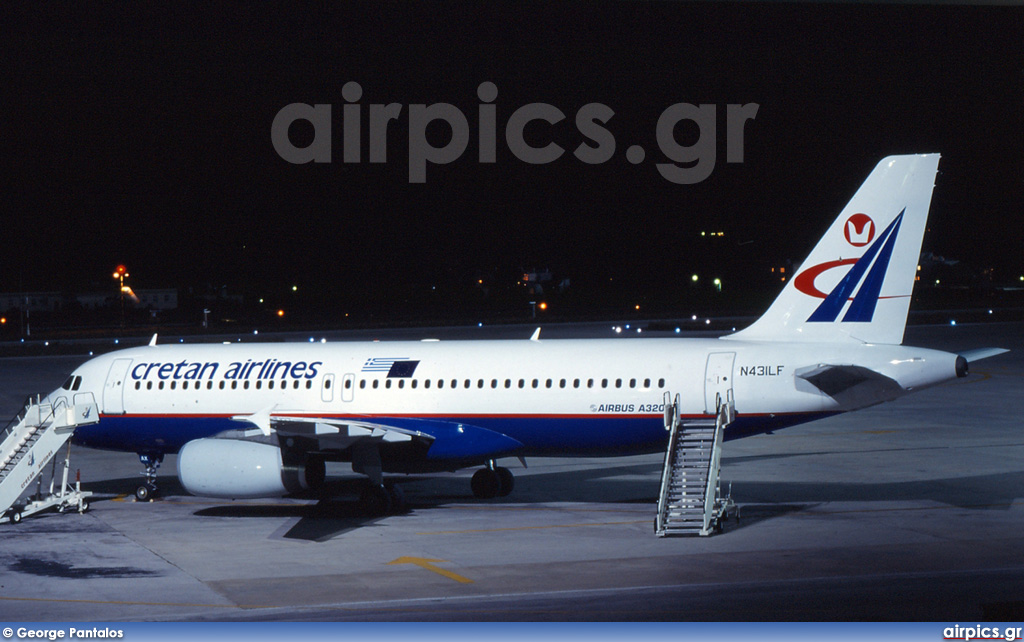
column 666, row 469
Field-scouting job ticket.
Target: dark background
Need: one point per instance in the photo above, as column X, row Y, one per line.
column 140, row 135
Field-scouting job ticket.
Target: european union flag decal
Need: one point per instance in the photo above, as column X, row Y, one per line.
column 403, row 368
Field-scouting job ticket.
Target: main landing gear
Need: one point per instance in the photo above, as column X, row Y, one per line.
column 380, row 499
column 493, row 481
column 148, row 490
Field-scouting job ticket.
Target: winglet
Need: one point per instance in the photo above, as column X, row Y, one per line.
column 259, row 419
column 536, row 335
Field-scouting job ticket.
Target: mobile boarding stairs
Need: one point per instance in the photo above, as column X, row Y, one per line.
column 28, row 444
column 691, row 500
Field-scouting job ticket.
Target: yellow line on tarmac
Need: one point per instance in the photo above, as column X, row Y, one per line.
column 423, row 562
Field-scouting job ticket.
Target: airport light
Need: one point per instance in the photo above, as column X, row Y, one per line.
column 280, row 313
column 694, row 278
column 543, row 305
column 120, row 273
column 718, row 284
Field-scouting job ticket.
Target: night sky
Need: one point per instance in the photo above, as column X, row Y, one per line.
column 141, row 135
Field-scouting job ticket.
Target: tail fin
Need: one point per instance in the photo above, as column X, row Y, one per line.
column 856, row 283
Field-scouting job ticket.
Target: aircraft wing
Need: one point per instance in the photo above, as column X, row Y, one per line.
column 447, row 439
column 852, row 386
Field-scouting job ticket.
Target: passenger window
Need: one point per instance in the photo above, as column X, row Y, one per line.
column 327, row 384
column 234, row 385
column 632, row 383
column 161, row 385
column 138, row 384
column 561, row 383
column 661, row 383
column 413, row 383
column 466, row 384
column 535, row 383
column 309, row 384
column 376, row 383
column 647, row 383
column 362, row 384
column 174, row 384
column 508, row 383
column 440, row 383
column 618, row 383
column 245, row 384
column 149, row 385
column 426, row 383
column 387, row 383
column 494, row 383
column 259, row 384
column 604, row 383
column 547, row 384
column 480, row 383
column 575, row 383
column 348, row 384
column 522, row 383
column 590, row 383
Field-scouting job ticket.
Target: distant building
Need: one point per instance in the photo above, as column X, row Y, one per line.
column 163, row 299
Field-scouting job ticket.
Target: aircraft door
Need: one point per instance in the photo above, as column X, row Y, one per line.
column 717, row 380
column 348, row 387
column 113, row 391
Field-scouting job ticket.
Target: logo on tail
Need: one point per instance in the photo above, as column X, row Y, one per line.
column 859, row 230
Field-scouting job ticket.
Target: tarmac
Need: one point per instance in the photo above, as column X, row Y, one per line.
column 910, row 510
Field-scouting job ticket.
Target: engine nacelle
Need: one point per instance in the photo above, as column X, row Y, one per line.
column 234, row 469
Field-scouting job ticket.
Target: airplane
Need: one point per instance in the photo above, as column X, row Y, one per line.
column 261, row 420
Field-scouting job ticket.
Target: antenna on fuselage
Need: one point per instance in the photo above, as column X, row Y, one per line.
column 536, row 335
column 152, row 342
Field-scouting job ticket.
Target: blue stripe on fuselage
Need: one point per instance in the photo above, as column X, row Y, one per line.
column 563, row 436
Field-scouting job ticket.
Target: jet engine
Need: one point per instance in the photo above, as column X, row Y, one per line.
column 235, row 469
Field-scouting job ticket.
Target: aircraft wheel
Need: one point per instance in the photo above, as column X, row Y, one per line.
column 83, row 507
column 506, row 481
column 485, row 483
column 145, row 492
column 376, row 500
column 16, row 517
column 397, row 498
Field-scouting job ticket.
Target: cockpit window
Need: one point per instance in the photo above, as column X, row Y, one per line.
column 68, row 383
column 77, row 383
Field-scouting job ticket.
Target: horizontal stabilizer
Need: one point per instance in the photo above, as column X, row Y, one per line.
column 981, row 353
column 852, row 386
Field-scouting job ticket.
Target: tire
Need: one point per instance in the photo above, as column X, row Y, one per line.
column 485, row 484
column 83, row 507
column 16, row 517
column 507, row 481
column 397, row 498
column 143, row 493
column 376, row 501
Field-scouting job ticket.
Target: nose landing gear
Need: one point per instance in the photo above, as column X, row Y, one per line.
column 149, row 490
